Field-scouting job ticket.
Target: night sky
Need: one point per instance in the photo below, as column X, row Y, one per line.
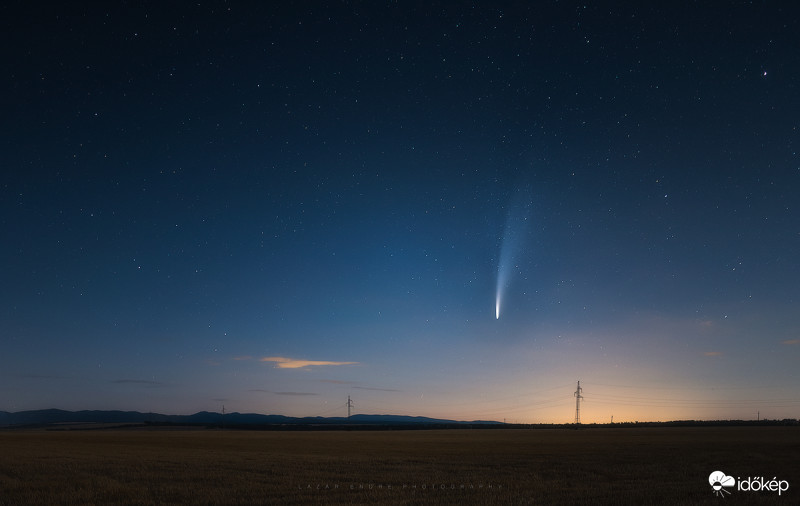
column 437, row 209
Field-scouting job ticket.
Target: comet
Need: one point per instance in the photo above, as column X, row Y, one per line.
column 503, row 268
column 511, row 245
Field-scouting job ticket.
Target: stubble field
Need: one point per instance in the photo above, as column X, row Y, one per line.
column 508, row 466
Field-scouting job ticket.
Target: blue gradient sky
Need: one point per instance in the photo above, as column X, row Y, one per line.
column 273, row 208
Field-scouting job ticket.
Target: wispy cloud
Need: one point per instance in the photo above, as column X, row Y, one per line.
column 39, row 376
column 243, row 357
column 712, row 353
column 137, row 382
column 378, row 389
column 342, row 382
column 282, row 393
column 792, row 341
column 293, row 363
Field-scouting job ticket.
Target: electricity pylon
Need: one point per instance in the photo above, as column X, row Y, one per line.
column 578, row 398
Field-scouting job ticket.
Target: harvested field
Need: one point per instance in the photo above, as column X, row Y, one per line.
column 503, row 466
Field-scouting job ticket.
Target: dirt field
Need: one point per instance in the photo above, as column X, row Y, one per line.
column 592, row 466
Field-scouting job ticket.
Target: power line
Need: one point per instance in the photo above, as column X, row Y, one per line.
column 699, row 399
column 331, row 410
column 685, row 388
column 500, row 399
column 694, row 403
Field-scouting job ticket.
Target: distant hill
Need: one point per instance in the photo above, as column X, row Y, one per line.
column 401, row 419
column 58, row 416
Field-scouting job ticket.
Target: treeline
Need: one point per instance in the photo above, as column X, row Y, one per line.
column 484, row 426
column 673, row 423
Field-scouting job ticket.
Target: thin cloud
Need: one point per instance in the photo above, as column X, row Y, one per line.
column 136, row 382
column 293, row 363
column 792, row 341
column 378, row 389
column 712, row 353
column 40, row 376
column 243, row 357
column 281, row 393
column 342, row 382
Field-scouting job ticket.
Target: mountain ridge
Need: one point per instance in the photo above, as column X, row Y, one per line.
column 60, row 416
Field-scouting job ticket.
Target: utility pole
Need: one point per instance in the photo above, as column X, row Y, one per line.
column 349, row 405
column 578, row 398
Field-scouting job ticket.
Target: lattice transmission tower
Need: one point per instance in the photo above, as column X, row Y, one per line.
column 578, row 398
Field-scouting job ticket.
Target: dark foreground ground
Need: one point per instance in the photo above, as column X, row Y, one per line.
column 591, row 466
